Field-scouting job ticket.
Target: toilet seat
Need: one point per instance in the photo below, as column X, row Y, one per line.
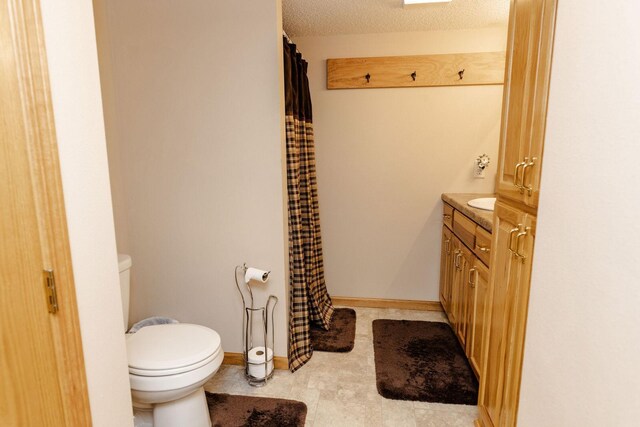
column 171, row 349
column 174, row 382
column 174, row 371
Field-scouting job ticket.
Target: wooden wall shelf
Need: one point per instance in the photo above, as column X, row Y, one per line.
column 484, row 68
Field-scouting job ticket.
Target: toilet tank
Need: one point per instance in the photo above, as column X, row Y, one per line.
column 124, row 265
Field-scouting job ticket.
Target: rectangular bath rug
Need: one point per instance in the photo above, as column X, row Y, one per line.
column 422, row 361
column 341, row 335
column 228, row 410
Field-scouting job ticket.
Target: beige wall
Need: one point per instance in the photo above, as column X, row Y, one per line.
column 73, row 71
column 384, row 156
column 195, row 148
column 582, row 345
column 109, row 106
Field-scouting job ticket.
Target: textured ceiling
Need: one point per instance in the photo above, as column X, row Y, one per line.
column 324, row 17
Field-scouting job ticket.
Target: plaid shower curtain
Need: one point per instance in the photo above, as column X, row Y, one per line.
column 309, row 301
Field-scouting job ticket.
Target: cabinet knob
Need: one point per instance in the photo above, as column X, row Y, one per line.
column 483, row 249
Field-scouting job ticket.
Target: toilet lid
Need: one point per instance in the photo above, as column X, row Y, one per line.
column 170, row 347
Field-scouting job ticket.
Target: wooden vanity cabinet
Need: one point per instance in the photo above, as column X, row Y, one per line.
column 528, row 66
column 514, row 233
column 464, row 279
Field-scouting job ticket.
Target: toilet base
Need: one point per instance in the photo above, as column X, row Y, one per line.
column 191, row 410
column 142, row 417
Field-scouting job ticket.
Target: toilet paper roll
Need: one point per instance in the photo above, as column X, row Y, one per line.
column 260, row 276
column 256, row 362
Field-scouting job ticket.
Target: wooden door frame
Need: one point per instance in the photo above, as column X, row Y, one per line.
column 29, row 45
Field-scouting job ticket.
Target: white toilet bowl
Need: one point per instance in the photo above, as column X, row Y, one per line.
column 168, row 366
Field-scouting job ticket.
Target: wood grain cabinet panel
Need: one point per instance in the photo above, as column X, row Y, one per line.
column 447, row 215
column 455, row 278
column 446, row 269
column 528, row 67
column 503, row 339
column 478, row 303
column 518, row 310
column 483, row 245
column 464, row 228
column 464, row 282
column 529, row 52
column 462, row 293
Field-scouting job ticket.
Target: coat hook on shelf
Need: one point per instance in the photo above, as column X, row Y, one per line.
column 461, row 73
column 414, row 75
column 368, row 77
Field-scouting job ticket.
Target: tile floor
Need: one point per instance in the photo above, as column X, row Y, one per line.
column 340, row 388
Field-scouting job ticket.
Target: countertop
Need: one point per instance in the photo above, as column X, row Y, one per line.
column 459, row 202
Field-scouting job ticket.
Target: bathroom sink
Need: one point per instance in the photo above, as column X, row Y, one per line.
column 484, row 203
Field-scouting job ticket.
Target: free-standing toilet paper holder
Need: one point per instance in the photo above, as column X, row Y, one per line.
column 258, row 370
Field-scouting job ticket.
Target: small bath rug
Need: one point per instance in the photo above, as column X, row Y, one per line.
column 228, row 410
column 422, row 361
column 341, row 335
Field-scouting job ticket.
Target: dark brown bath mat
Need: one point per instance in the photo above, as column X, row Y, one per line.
column 422, row 361
column 341, row 335
column 227, row 410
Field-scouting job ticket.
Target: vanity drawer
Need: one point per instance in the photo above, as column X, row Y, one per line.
column 447, row 215
column 483, row 245
column 465, row 229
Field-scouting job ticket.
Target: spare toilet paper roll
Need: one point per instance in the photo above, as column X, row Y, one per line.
column 260, row 276
column 256, row 362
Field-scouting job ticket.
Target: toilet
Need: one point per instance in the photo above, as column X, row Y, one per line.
column 168, row 367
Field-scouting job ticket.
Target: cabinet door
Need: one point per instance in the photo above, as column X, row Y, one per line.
column 528, row 63
column 531, row 175
column 519, row 304
column 462, row 282
column 456, row 273
column 446, row 269
column 478, row 302
column 470, row 305
column 504, row 337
